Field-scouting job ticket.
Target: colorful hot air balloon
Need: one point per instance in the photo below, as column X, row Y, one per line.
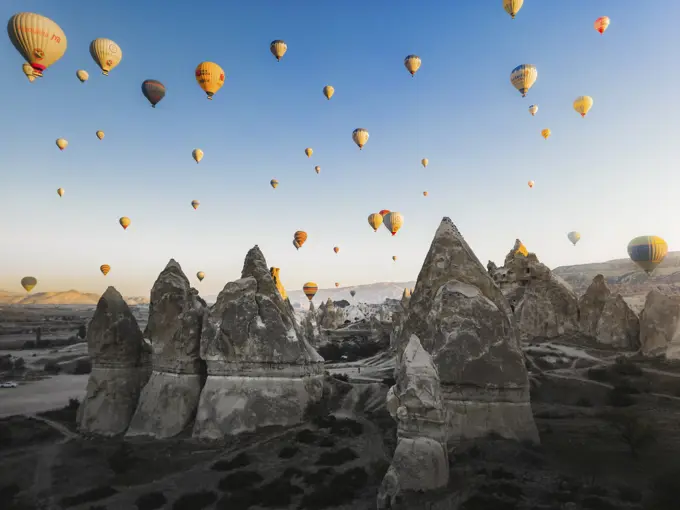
column 62, row 143
column 295, row 243
column 105, row 268
column 523, row 77
column 352, row 292
column 210, row 77
column 106, row 53
column 317, row 169
column 393, row 221
column 124, row 222
column 100, row 134
column 309, row 152
column 383, row 212
column 574, row 237
column 28, row 282
column 278, row 49
column 336, row 249
column 300, row 237
column 197, row 154
column 274, row 183
column 375, row 220
column 310, row 289
column 394, row 258
column 200, row 275
column 601, row 24
column 512, row 7
column 582, row 104
column 521, row 250
column 195, row 204
column 154, row 91
column 531, row 184
column 412, row 64
column 28, row 71
column 38, row 39
column 647, row 252
column 337, row 284
column 60, row 192
column 328, row 91
column 546, row 133
column 82, row 75
column 533, row 109
column 424, row 193
column 424, row 162
column 360, row 137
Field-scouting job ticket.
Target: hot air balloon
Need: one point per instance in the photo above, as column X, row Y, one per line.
column 352, row 292
column 105, row 268
column 531, row 184
column 296, row 244
column 154, row 91
column 412, row 64
column 197, row 154
column 383, row 212
column 583, row 104
column 195, row 204
column 309, row 152
column 62, row 143
column 28, row 71
column 533, row 109
column 424, row 193
column 601, row 24
column 546, row 133
column 337, row 284
column 521, row 250
column 512, row 7
column 647, row 252
column 523, row 77
column 393, row 221
column 60, row 192
column 274, row 183
column 200, row 275
column 124, row 222
column 82, row 75
column 394, row 258
column 328, row 91
column 100, row 134
column 310, row 289
column 375, row 220
column 300, row 237
column 336, row 249
column 360, row 137
column 574, row 237
column 210, row 77
column 278, row 49
column 424, row 162
column 106, row 53
column 317, row 169
column 38, row 39
column 28, row 282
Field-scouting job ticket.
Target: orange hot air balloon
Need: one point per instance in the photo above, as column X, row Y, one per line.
column 394, row 257
column 384, row 212
column 424, row 193
column 375, row 220
column 299, row 238
column 124, row 222
column 531, row 184
column 310, row 289
column 601, row 24
column 317, row 169
column 337, row 284
column 195, row 204
column 105, row 268
column 336, row 249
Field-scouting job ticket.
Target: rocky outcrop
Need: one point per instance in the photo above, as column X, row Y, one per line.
column 120, row 369
column 275, row 271
column 420, row 461
column 330, row 316
column 660, row 326
column 311, row 327
column 466, row 324
column 591, row 304
column 261, row 367
column 169, row 400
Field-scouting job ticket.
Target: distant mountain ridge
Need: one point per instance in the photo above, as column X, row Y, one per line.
column 68, row 297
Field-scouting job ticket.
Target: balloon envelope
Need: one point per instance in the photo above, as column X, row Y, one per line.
column 200, row 275
column 512, row 7
column 274, row 183
column 393, row 221
column 412, row 64
column 106, row 53
column 328, row 91
column 375, row 220
column 574, row 237
column 105, row 268
column 300, row 237
column 647, row 252
column 124, row 222
column 100, row 134
column 82, row 75
column 583, row 104
column 360, row 137
column 310, row 289
column 28, row 282
column 601, row 24
column 38, row 39
column 278, row 49
column 546, row 133
column 62, row 143
column 523, row 77
column 195, row 204
column 154, row 91
column 210, row 77
column 60, row 192
column 197, row 154
column 533, row 109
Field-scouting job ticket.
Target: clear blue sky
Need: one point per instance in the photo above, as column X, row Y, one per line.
column 611, row 176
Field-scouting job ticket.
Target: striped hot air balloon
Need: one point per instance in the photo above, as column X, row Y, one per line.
column 310, row 289
column 523, row 77
column 105, row 268
column 299, row 238
column 647, row 252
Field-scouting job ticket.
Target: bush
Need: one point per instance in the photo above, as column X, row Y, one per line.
column 630, row 494
column 341, row 489
column 288, row 452
column 346, row 427
column 82, row 366
column 598, row 503
column 194, row 500
column 625, row 367
column 82, row 331
column 122, row 459
column 241, row 460
column 327, row 442
column 389, row 381
column 313, row 479
column 341, row 377
column 306, row 436
column 584, row 402
column 239, row 480
column 600, row 374
column 620, row 397
column 51, row 367
column 337, row 457
column 635, row 432
column 8, row 493
column 88, row 496
column 278, row 494
column 664, row 490
column 151, row 501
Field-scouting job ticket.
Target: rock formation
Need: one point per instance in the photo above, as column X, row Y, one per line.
column 466, row 324
column 274, row 271
column 660, row 326
column 119, row 367
column 311, row 326
column 591, row 304
column 420, row 461
column 261, row 368
column 169, row 400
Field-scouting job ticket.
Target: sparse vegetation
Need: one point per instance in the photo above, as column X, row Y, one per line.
column 341, row 377
column 336, row 457
column 288, row 452
column 635, row 432
column 306, row 436
column 620, row 397
column 664, row 490
column 88, row 496
column 151, row 501
column 341, row 489
column 239, row 480
column 194, row 500
column 240, row 460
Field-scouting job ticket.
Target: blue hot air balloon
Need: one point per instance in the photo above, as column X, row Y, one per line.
column 647, row 252
column 154, row 91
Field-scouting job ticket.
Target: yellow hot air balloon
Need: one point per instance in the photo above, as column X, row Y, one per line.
column 106, row 53
column 195, row 204
column 28, row 283
column 124, row 222
column 424, row 193
column 38, row 39
column 582, row 104
column 105, row 268
column 647, row 252
column 100, row 134
column 360, row 137
column 546, row 133
column 278, row 49
column 523, row 77
column 317, row 169
column 337, row 284
column 62, row 143
column 601, row 24
column 521, row 250
column 300, row 237
column 394, row 257
column 412, row 64
column 424, row 162
column 28, row 71
column 328, row 91
column 197, row 154
column 531, row 184
column 393, row 221
column 60, row 192
column 200, row 275
column 310, row 289
column 336, row 249
column 533, row 109
column 274, row 183
column 375, row 220
column 512, row 7
column 574, row 237
column 82, row 75
column 309, row 152
column 210, row 77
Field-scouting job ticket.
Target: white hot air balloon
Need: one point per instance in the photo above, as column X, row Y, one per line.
column 533, row 109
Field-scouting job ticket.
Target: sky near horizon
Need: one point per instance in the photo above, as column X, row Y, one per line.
column 611, row 176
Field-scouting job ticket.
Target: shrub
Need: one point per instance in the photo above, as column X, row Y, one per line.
column 336, row 457
column 346, row 427
column 51, row 367
column 624, row 366
column 599, row 374
column 122, row 459
column 82, row 331
column 288, row 452
column 240, row 460
column 8, row 493
column 151, row 501
column 598, row 503
column 389, row 381
column 635, row 432
column 278, row 494
column 341, row 377
column 327, row 442
column 584, row 402
column 239, row 480
column 82, row 366
column 194, row 500
column 306, row 436
column 341, row 489
column 630, row 494
column 88, row 496
column 619, row 397
column 664, row 490
column 317, row 477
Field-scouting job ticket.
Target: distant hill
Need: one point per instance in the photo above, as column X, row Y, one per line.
column 69, row 297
